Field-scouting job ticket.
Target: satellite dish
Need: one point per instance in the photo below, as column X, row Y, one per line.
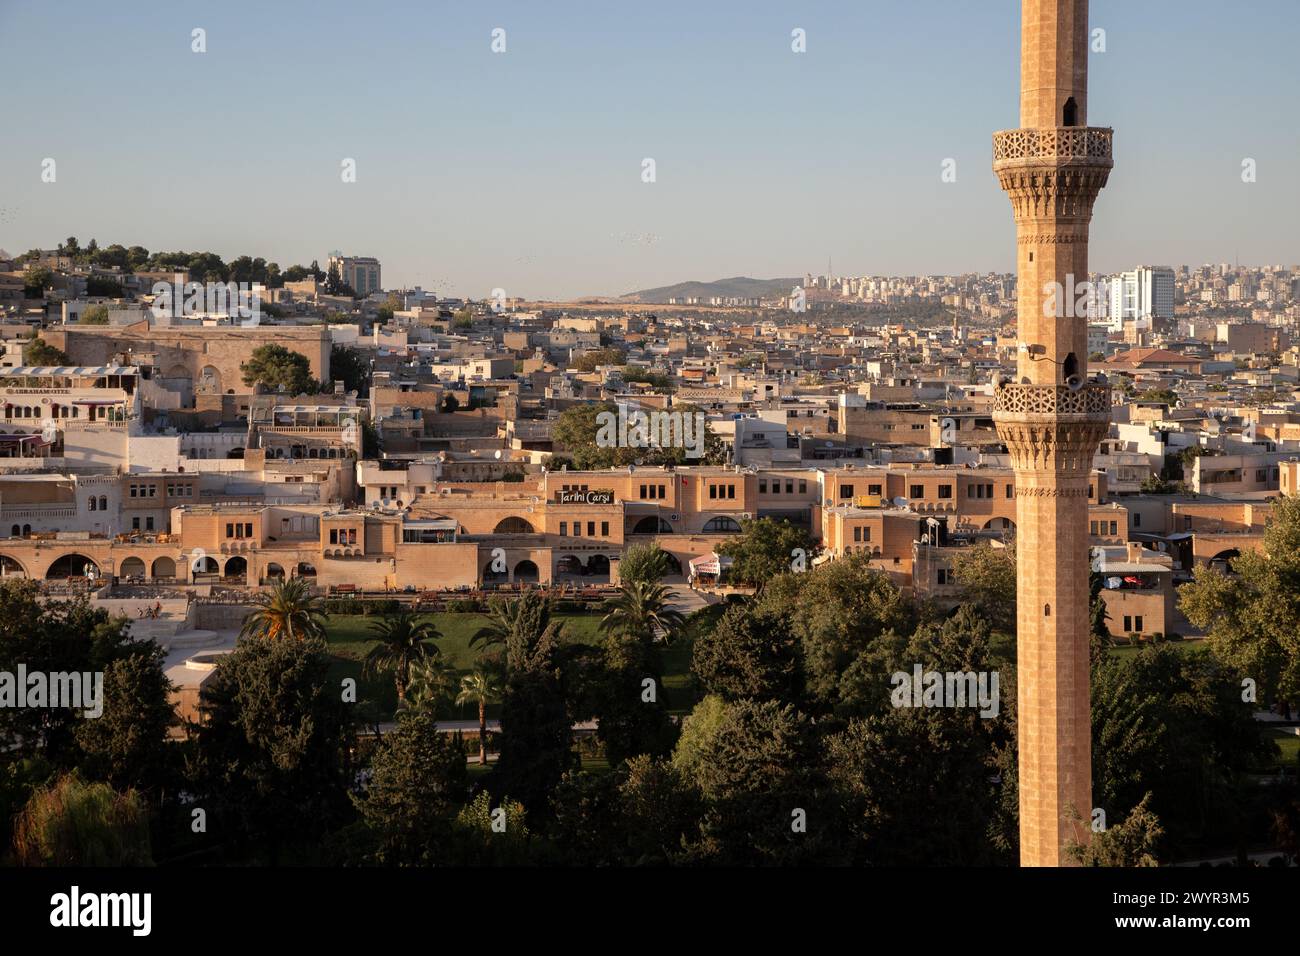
column 899, row 502
column 498, row 454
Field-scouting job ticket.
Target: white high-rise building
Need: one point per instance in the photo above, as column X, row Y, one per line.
column 1141, row 296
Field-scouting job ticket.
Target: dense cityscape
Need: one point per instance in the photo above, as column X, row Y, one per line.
column 303, row 566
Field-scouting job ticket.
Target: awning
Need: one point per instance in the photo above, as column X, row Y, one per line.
column 711, row 563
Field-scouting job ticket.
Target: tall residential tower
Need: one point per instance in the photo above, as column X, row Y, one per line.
column 1052, row 419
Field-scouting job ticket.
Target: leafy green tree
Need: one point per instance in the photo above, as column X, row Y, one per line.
column 127, row 745
column 659, row 808
column 588, row 828
column 575, row 431
column 74, row 823
column 36, row 279
column 1252, row 615
column 1172, row 723
column 493, row 835
column 536, row 726
column 914, row 783
column 765, row 801
column 588, row 361
column 1131, row 843
column 54, row 637
column 39, row 352
column 94, row 315
column 645, row 563
column 536, row 736
column 698, row 729
column 404, row 638
column 987, row 576
column 287, row 609
column 764, row 549
column 334, row 284
column 113, row 257
column 276, row 367
column 750, row 653
column 347, row 366
column 656, row 380
column 418, row 778
column 849, row 619
column 271, row 763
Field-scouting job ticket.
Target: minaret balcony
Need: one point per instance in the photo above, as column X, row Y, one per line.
column 1063, row 145
column 1089, row 403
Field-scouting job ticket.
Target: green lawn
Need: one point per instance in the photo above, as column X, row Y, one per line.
column 1288, row 743
column 349, row 637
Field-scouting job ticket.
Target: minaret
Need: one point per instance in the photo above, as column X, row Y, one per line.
column 1052, row 419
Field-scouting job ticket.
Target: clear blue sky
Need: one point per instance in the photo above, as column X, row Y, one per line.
column 522, row 170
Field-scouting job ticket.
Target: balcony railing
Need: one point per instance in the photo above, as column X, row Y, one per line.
column 1062, row 142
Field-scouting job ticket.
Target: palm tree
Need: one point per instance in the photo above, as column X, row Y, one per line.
column 287, row 610
column 404, row 637
column 523, row 626
column 480, row 686
column 432, row 681
column 641, row 611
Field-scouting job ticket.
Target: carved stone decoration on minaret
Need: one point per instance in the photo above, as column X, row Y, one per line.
column 1052, row 418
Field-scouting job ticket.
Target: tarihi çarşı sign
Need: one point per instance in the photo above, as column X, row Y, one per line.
column 599, row 497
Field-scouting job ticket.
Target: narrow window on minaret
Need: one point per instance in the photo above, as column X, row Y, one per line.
column 1047, row 610
column 1071, row 113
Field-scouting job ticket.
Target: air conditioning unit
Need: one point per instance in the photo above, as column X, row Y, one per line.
column 674, row 517
column 747, row 516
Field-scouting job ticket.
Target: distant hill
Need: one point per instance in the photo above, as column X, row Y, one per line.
column 742, row 286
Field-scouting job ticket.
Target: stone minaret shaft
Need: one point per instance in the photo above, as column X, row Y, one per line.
column 1052, row 419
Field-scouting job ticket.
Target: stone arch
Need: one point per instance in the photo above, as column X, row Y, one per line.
column 131, row 567
column 569, row 564
column 526, row 572
column 1223, row 560
column 598, row 565
column 236, row 567
column 513, row 525
column 70, row 565
column 721, row 524
column 652, row 524
column 11, row 567
column 210, row 379
column 163, row 568
column 493, row 576
column 306, row 569
column 999, row 524
column 274, row 572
